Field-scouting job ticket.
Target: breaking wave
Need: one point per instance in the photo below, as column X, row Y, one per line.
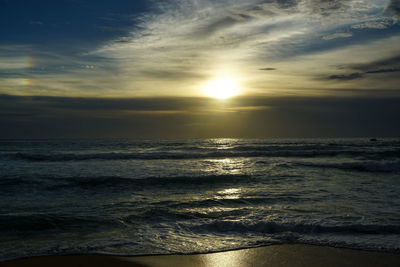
column 179, row 155
column 364, row 166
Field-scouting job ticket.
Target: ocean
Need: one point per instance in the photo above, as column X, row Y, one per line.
column 145, row 197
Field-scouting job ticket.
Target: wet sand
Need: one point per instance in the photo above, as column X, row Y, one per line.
column 278, row 255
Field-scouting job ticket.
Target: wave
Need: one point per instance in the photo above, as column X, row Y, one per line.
column 106, row 182
column 200, row 224
column 203, row 154
column 29, row 223
column 364, row 166
column 295, row 228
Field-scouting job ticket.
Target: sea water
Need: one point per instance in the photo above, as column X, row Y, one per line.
column 130, row 197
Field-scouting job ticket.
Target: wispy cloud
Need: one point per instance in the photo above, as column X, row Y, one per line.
column 337, row 35
column 386, row 63
column 177, row 46
column 393, row 8
column 36, row 22
column 348, row 77
column 324, row 7
column 382, row 66
column 204, row 38
column 267, row 69
column 373, row 25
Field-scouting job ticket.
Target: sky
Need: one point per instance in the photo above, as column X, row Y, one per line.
column 154, row 69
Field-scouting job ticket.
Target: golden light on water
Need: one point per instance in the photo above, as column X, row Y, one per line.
column 222, row 259
column 226, row 166
column 229, row 193
column 222, row 88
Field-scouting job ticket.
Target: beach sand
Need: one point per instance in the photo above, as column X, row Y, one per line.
column 278, row 255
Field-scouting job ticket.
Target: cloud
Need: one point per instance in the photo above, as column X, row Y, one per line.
column 29, row 70
column 324, row 7
column 391, row 63
column 372, row 25
column 276, row 6
column 348, row 77
column 221, row 24
column 337, row 35
column 383, row 70
column 205, row 38
column 13, row 63
column 393, row 9
column 387, row 65
column 112, row 28
column 35, row 22
column 172, row 74
column 268, row 69
column 259, row 117
column 174, row 47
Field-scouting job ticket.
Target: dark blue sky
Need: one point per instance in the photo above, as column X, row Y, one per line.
column 48, row 23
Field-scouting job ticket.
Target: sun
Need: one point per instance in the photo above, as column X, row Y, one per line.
column 221, row 88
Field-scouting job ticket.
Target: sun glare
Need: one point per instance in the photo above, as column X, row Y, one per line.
column 221, row 88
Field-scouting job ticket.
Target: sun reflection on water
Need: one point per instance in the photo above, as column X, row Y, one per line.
column 229, row 193
column 231, row 259
column 223, row 143
column 226, row 166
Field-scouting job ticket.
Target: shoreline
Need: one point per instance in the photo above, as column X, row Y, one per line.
column 295, row 255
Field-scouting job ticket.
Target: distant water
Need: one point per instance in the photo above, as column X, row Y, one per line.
column 162, row 197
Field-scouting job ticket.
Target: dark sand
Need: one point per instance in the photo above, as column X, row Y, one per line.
column 279, row 255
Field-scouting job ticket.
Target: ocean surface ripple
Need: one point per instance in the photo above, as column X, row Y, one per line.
column 131, row 197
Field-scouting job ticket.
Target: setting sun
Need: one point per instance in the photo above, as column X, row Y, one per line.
column 221, row 88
